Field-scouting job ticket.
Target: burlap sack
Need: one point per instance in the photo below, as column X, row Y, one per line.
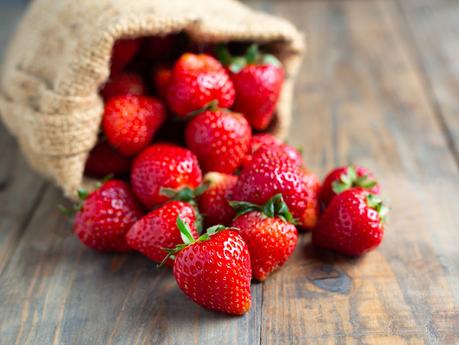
column 60, row 57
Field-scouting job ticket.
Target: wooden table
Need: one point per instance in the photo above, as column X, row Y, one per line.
column 379, row 86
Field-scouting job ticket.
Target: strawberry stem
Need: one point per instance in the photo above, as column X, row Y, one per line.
column 76, row 207
column 274, row 207
column 211, row 106
column 375, row 202
column 185, row 194
column 189, row 195
column 185, row 231
column 251, row 57
column 350, row 179
column 188, row 239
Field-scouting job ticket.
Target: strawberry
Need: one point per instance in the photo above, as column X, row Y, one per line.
column 346, row 177
column 268, row 232
column 197, row 80
column 213, row 203
column 130, row 122
column 123, row 52
column 220, row 139
column 158, row 230
column 163, row 166
column 161, row 77
column 352, row 223
column 123, row 84
column 214, row 270
column 258, row 80
column 103, row 160
column 271, row 172
column 267, row 139
column 105, row 216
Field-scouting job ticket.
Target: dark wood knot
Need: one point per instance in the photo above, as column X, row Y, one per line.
column 330, row 279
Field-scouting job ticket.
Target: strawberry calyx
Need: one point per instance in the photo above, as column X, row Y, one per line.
column 211, row 106
column 188, row 239
column 274, row 207
column 253, row 56
column 82, row 196
column 350, row 179
column 189, row 195
column 185, row 194
column 376, row 203
column 76, row 207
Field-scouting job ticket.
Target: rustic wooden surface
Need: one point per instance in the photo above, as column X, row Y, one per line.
column 379, row 86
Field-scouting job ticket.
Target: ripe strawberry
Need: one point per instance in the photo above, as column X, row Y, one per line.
column 268, row 232
column 163, row 166
column 130, row 122
column 105, row 216
column 158, row 230
column 214, row 271
column 258, row 80
column 352, row 224
column 271, row 172
column 123, row 84
column 123, row 52
column 213, row 203
column 267, row 139
column 161, row 77
column 220, row 139
column 346, row 177
column 197, row 80
column 103, row 160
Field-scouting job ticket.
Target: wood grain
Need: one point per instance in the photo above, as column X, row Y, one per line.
column 360, row 99
column 20, row 191
column 434, row 29
column 363, row 96
column 56, row 291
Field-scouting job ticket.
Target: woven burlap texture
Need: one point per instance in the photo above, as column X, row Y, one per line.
column 60, row 56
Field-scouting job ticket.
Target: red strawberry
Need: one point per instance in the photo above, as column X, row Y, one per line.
column 103, row 160
column 197, row 80
column 123, row 52
column 213, row 203
column 158, row 230
column 163, row 166
column 352, row 224
column 105, row 217
column 271, row 172
column 123, row 84
column 346, row 177
column 220, row 139
column 258, row 80
column 161, row 78
column 268, row 232
column 267, row 139
column 130, row 122
column 214, row 271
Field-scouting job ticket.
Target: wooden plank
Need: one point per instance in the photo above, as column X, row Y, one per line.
column 20, row 188
column 361, row 99
column 10, row 12
column 355, row 102
column 56, row 291
column 20, row 191
column 434, row 27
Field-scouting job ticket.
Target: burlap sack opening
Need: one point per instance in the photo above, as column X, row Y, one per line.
column 60, row 56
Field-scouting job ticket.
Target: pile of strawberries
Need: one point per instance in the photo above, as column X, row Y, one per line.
column 207, row 116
